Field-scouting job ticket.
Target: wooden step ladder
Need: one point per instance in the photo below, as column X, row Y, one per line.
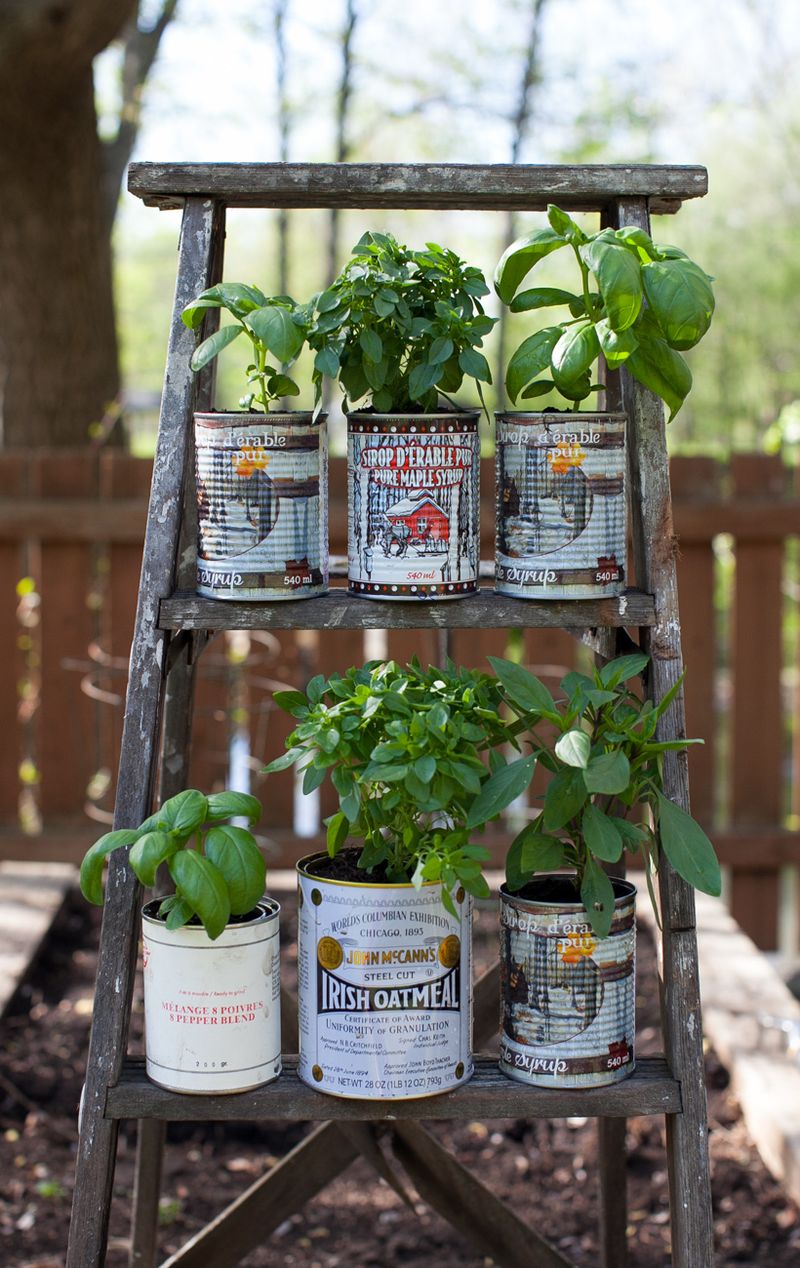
column 172, row 626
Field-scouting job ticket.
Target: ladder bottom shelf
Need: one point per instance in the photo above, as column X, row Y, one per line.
column 489, row 1094
column 338, row 610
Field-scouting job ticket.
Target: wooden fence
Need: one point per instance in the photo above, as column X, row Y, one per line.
column 71, row 526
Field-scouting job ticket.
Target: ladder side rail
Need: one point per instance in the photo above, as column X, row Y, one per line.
column 203, row 222
column 655, row 563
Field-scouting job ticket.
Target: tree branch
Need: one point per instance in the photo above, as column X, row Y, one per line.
column 140, row 48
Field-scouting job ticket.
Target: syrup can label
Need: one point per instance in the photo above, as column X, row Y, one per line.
column 412, row 505
column 261, row 506
column 384, row 989
column 568, row 997
column 561, row 506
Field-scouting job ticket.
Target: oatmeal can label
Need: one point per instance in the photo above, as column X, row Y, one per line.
column 384, row 988
column 412, row 505
column 561, row 505
column 262, row 506
column 212, row 1008
column 567, row 996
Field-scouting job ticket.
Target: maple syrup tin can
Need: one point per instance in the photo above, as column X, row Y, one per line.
column 561, row 505
column 412, row 505
column 262, row 506
column 384, row 988
column 212, row 1008
column 567, row 997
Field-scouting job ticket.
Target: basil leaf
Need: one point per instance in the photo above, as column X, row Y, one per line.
column 500, row 789
column 608, row 773
column 236, row 856
column 518, row 260
column 91, row 874
column 531, row 357
column 601, row 835
column 688, row 848
column 199, row 884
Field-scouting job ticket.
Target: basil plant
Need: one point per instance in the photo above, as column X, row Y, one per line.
column 639, row 304
column 217, row 870
column 399, row 327
column 605, row 792
column 402, row 747
column 276, row 327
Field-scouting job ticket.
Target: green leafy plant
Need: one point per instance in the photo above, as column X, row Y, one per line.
column 276, row 327
column 218, row 870
column 401, row 747
column 401, row 327
column 639, row 304
column 606, row 770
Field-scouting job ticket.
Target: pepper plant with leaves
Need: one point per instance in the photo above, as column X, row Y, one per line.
column 605, row 793
column 400, row 327
column 217, row 869
column 276, row 327
column 637, row 303
column 401, row 747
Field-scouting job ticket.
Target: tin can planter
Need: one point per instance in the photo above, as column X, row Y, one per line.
column 262, row 506
column 412, row 505
column 212, row 1009
column 568, row 997
column 384, row 986
column 561, row 505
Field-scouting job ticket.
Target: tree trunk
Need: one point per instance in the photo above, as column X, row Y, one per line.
column 58, row 350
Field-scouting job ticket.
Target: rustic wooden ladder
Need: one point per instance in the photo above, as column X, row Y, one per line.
column 172, row 626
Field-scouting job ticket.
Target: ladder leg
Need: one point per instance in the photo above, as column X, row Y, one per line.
column 654, row 554
column 613, row 1192
column 150, row 1141
column 203, row 224
column 151, row 1135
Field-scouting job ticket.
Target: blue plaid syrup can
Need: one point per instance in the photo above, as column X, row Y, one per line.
column 561, row 505
column 262, row 506
column 412, row 505
column 568, row 997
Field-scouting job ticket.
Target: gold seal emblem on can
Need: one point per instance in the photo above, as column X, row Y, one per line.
column 329, row 953
column 450, row 951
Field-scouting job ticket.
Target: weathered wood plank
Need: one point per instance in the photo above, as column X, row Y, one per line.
column 471, row 1207
column 655, row 566
column 486, row 1007
column 489, row 1094
column 339, row 611
column 203, row 223
column 248, row 1221
column 496, row 187
column 757, row 779
column 693, row 477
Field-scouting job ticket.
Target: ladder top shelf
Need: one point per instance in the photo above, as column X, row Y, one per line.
column 489, row 1094
column 338, row 610
column 481, row 187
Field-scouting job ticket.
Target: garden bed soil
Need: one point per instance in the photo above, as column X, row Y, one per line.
column 546, row 1170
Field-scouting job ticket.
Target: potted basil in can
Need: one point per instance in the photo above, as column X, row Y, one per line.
column 211, row 952
column 568, row 937
column 401, row 329
column 384, row 938
column 561, row 498
column 261, row 474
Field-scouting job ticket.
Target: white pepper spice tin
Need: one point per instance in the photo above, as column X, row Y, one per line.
column 212, row 1008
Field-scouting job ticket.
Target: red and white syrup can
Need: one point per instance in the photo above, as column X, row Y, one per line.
column 412, row 505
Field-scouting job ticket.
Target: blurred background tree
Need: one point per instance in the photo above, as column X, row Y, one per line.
column 60, row 181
